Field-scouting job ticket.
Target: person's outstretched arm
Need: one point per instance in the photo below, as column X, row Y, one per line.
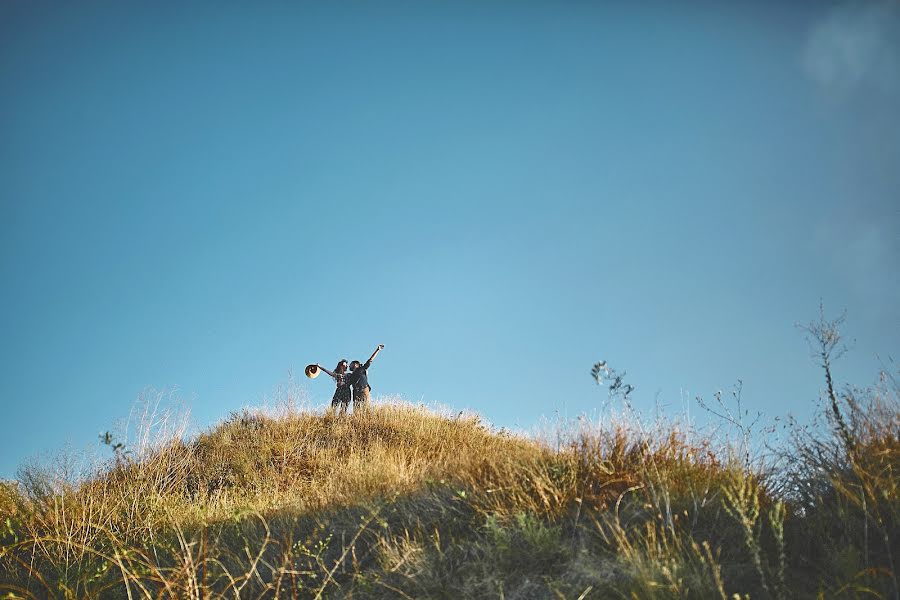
column 371, row 358
column 326, row 370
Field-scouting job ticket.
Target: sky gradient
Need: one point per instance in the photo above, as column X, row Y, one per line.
column 209, row 195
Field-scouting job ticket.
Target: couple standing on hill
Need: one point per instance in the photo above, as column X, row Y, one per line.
column 358, row 378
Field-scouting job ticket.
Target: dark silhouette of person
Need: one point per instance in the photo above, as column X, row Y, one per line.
column 359, row 379
column 342, row 393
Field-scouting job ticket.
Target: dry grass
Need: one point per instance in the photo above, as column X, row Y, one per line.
column 406, row 502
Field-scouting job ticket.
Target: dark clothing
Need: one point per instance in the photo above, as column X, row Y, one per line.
column 342, row 392
column 359, row 378
column 360, row 398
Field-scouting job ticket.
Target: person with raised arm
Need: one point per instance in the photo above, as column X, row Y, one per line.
column 342, row 393
column 359, row 379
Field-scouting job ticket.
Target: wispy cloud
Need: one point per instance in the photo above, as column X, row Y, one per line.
column 856, row 45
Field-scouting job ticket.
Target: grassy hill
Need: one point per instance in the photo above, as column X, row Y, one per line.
column 404, row 502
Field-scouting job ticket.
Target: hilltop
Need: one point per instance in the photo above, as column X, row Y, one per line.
column 406, row 502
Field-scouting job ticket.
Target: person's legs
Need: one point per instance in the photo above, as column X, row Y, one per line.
column 361, row 399
column 342, row 396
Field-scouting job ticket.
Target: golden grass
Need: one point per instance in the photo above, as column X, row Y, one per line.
column 402, row 501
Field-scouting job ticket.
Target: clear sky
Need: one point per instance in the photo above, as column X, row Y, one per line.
column 207, row 195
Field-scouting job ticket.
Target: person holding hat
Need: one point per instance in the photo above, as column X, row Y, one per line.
column 342, row 393
column 359, row 379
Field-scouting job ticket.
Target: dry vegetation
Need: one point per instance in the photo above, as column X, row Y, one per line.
column 404, row 502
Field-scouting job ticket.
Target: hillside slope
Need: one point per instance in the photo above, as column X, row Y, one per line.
column 403, row 502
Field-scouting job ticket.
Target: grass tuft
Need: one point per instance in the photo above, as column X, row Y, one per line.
column 402, row 501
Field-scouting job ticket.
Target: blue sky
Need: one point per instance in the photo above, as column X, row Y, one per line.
column 207, row 195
